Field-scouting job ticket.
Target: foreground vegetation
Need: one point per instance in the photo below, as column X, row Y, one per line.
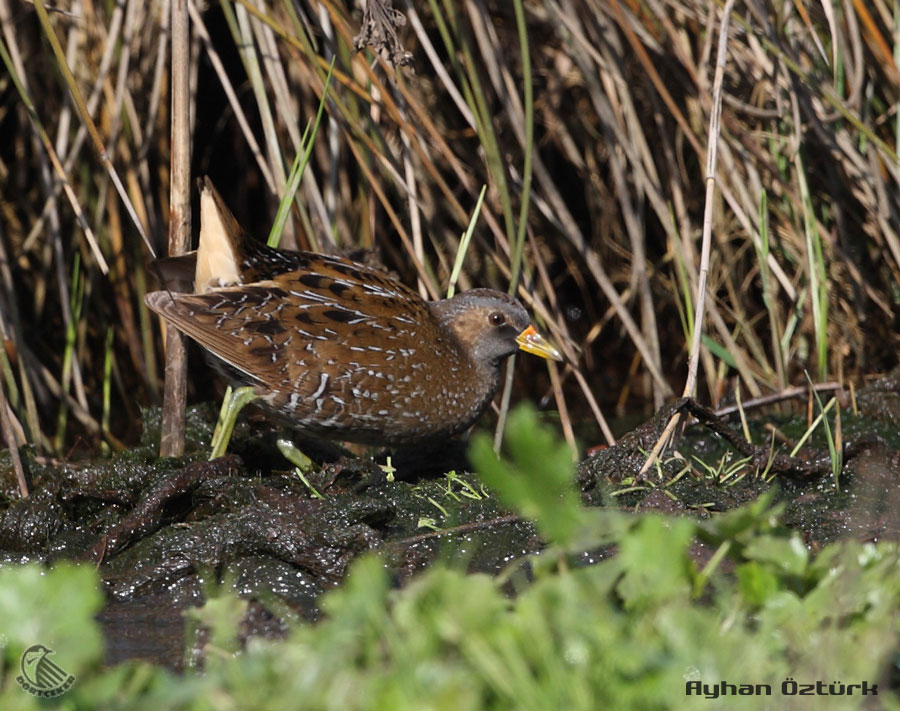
column 629, row 631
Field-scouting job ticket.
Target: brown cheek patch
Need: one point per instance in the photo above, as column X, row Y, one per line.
column 469, row 324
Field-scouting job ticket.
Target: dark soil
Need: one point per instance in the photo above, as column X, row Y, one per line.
column 163, row 531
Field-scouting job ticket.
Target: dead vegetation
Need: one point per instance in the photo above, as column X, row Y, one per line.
column 592, row 151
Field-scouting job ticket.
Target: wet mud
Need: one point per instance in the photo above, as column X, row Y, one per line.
column 163, row 533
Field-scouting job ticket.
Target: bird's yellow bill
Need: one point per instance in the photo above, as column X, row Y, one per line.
column 533, row 342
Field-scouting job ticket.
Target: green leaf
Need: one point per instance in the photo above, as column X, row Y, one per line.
column 655, row 562
column 788, row 555
column 221, row 616
column 757, row 583
column 54, row 608
column 741, row 524
column 537, row 480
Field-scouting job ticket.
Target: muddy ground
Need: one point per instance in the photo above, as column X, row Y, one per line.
column 162, row 531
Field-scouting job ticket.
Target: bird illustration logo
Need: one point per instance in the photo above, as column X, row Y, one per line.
column 41, row 676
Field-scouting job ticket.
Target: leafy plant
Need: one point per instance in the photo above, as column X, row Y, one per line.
column 628, row 631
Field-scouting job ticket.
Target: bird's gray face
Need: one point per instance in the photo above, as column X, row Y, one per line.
column 487, row 322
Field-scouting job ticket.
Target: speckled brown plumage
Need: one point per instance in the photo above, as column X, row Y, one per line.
column 343, row 350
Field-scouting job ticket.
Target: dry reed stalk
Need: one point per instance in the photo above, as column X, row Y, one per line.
column 706, row 242
column 175, row 385
column 619, row 108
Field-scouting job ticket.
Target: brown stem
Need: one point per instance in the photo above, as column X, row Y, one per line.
column 172, row 440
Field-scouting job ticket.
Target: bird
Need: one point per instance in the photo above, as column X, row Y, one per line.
column 338, row 349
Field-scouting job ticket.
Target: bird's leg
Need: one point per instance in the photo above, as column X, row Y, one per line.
column 301, row 462
column 232, row 404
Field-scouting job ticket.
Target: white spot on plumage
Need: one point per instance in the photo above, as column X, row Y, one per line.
column 323, row 383
column 311, row 296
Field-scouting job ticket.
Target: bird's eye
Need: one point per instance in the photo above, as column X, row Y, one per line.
column 497, row 319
